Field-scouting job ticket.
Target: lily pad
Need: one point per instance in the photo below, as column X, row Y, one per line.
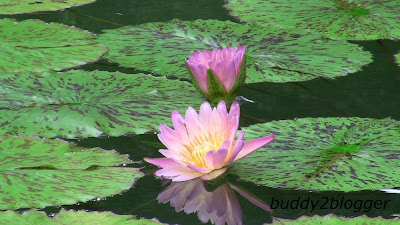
column 341, row 154
column 273, row 54
column 338, row 19
column 397, row 58
column 72, row 217
column 333, row 220
column 89, row 104
column 36, row 173
column 33, row 45
column 29, row 6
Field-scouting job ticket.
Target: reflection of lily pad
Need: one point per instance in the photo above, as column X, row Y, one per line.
column 88, row 104
column 33, row 45
column 333, row 220
column 39, row 173
column 28, row 6
column 343, row 154
column 273, row 54
column 72, row 217
column 343, row 19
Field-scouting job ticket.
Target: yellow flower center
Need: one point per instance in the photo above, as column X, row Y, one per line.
column 200, row 149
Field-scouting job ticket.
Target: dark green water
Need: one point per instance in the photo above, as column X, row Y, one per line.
column 373, row 93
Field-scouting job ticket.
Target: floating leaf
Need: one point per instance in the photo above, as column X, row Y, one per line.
column 28, row 6
column 72, row 217
column 342, row 154
column 88, row 104
column 397, row 58
column 36, row 173
column 342, row 19
column 333, row 220
column 273, row 54
column 33, row 45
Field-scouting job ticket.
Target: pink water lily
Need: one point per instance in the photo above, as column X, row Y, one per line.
column 219, row 206
column 220, row 73
column 203, row 144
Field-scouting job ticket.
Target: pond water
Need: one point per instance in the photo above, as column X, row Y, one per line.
column 371, row 93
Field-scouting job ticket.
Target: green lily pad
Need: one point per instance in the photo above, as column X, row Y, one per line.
column 333, row 220
column 29, row 6
column 33, row 45
column 338, row 19
column 341, row 154
column 72, row 217
column 397, row 58
column 36, row 173
column 89, row 104
column 273, row 54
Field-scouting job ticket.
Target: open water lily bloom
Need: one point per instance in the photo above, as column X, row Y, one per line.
column 202, row 145
column 220, row 73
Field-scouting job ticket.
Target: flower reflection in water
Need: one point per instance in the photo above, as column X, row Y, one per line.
column 219, row 206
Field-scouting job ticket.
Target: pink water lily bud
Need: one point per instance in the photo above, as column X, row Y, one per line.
column 203, row 145
column 220, row 73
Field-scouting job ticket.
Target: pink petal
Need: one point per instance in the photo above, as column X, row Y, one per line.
column 197, row 190
column 226, row 144
column 223, row 114
column 167, row 130
column 220, row 69
column 215, row 124
column 162, row 162
column 213, row 174
column 171, row 154
column 207, row 54
column 221, row 107
column 214, row 55
column 187, row 176
column 196, row 53
column 237, row 148
column 173, row 171
column 217, row 201
column 216, row 159
column 212, row 66
column 172, row 143
column 233, row 213
column 171, row 138
column 241, row 48
column 204, row 116
column 233, row 120
column 200, row 74
column 253, row 199
column 173, row 190
column 179, row 125
column 229, row 77
column 253, row 145
column 199, row 169
column 192, row 123
column 193, row 59
column 238, row 60
column 225, row 53
column 232, row 52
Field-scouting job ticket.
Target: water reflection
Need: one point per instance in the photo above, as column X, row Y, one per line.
column 219, row 206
